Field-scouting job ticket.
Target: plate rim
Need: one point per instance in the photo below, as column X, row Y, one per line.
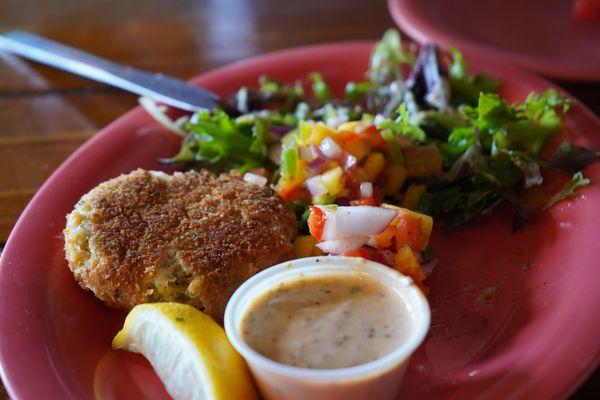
column 421, row 31
column 227, row 69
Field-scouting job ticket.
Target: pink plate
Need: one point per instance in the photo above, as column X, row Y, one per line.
column 535, row 34
column 515, row 316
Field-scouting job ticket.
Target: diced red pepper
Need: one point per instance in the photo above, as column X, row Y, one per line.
column 362, row 252
column 292, row 192
column 408, row 232
column 379, row 257
column 316, row 222
column 354, row 177
column 369, row 201
column 373, row 136
column 344, row 136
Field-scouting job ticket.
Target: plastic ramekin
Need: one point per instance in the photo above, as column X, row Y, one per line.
column 379, row 379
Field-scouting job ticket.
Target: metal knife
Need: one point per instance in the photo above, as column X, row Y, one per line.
column 159, row 87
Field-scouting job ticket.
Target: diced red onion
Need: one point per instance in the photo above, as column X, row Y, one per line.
column 316, row 186
column 342, row 201
column 342, row 222
column 428, row 267
column 330, row 148
column 316, row 164
column 343, row 245
column 280, row 131
column 255, row 179
column 366, row 190
column 319, row 162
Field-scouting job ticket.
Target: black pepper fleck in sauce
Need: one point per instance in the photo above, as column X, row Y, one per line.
column 327, row 322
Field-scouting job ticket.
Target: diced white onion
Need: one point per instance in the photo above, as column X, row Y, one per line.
column 343, row 222
column 366, row 190
column 330, row 148
column 316, row 186
column 350, row 161
column 379, row 119
column 343, row 245
column 307, row 153
column 255, row 179
column 336, row 120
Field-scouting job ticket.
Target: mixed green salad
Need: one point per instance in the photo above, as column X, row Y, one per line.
column 419, row 131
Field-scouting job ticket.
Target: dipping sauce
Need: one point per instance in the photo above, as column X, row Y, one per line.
column 327, row 322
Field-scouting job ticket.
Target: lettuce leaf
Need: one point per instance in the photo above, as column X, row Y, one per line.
column 460, row 203
column 524, row 127
column 387, row 59
column 465, row 88
column 458, row 142
column 356, row 90
column 577, row 181
column 216, row 142
column 320, row 88
column 402, row 126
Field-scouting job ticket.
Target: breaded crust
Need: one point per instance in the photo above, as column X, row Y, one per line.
column 189, row 237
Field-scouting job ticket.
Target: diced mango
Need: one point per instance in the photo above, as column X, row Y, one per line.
column 413, row 196
column 304, row 246
column 305, row 130
column 373, row 165
column 384, row 239
column 333, row 181
column 358, row 147
column 422, row 162
column 425, row 221
column 407, row 264
column 373, row 136
column 349, row 126
column 396, row 176
column 319, row 133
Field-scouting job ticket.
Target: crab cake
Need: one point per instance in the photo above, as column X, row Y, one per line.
column 189, row 237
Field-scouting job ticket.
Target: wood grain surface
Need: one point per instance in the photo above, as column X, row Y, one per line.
column 46, row 114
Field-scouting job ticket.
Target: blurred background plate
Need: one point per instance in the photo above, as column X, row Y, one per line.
column 539, row 35
column 514, row 316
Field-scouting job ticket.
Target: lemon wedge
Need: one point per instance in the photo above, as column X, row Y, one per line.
column 188, row 350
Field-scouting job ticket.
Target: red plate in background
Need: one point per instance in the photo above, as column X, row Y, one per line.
column 515, row 316
column 535, row 34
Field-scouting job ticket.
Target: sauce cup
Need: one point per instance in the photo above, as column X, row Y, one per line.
column 379, row 379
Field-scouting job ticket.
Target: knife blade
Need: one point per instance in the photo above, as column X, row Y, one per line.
column 159, row 87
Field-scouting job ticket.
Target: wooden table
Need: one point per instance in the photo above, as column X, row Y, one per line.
column 46, row 114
